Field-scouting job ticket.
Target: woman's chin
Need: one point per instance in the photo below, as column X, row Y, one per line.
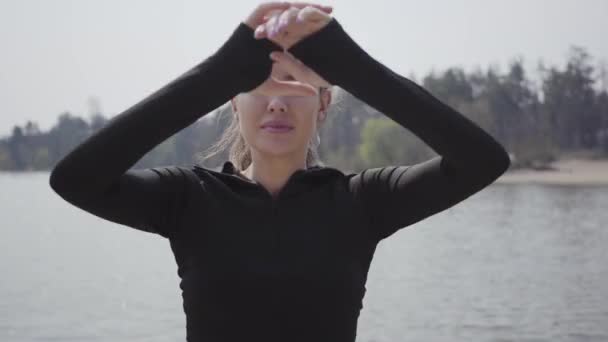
column 276, row 148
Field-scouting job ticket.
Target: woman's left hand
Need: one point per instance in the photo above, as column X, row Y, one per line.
column 297, row 69
column 305, row 81
column 288, row 27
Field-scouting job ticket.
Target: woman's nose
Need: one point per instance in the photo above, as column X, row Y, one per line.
column 276, row 104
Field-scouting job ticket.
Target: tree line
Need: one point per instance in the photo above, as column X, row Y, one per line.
column 566, row 110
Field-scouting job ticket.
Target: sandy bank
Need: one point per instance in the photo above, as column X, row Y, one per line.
column 567, row 171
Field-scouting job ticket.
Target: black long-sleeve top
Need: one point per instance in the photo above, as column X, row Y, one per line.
column 291, row 268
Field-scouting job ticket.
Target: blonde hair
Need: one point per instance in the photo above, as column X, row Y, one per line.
column 239, row 153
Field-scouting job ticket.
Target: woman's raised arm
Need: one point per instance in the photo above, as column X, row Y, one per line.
column 397, row 196
column 95, row 176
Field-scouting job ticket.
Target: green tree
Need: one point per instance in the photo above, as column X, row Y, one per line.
column 384, row 142
column 569, row 99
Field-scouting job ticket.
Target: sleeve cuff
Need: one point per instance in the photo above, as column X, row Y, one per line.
column 330, row 51
column 246, row 56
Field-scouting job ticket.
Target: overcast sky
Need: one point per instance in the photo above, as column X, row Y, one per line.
column 57, row 55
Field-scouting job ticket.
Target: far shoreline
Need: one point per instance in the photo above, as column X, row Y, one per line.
column 571, row 171
column 563, row 171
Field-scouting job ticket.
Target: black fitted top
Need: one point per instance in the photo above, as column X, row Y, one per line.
column 290, row 268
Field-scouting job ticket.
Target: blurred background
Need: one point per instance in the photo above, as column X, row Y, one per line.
column 523, row 260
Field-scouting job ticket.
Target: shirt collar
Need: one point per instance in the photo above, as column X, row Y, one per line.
column 302, row 177
column 229, row 168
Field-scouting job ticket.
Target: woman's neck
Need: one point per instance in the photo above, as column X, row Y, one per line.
column 272, row 174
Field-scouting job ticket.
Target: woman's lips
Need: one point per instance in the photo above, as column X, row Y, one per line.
column 277, row 129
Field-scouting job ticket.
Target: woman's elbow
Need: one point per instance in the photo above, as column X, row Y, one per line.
column 497, row 164
column 503, row 161
column 62, row 182
column 56, row 180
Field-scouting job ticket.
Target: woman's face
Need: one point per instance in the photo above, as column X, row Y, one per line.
column 300, row 113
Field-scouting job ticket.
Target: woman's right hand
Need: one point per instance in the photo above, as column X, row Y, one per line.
column 265, row 11
column 288, row 27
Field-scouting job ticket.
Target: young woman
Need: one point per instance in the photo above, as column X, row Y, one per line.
column 272, row 247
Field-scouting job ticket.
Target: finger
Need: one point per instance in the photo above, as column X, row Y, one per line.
column 326, row 9
column 260, row 32
column 283, row 21
column 274, row 29
column 299, row 5
column 290, row 88
column 265, row 8
column 271, row 14
column 311, row 14
column 263, row 29
column 270, row 25
column 271, row 6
